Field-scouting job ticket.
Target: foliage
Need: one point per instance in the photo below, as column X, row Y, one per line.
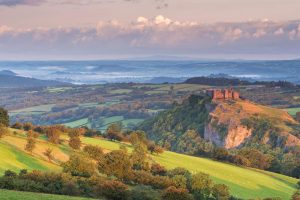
column 4, row 118
column 116, row 163
column 142, row 192
column 49, row 154
column 79, row 165
column 220, row 192
column 256, row 158
column 114, row 132
column 201, row 185
column 172, row 193
column 93, row 151
column 3, row 130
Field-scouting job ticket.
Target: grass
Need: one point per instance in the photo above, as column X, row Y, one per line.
column 33, row 110
column 120, row 91
column 77, row 123
column 243, row 182
column 293, row 111
column 14, row 159
column 16, row 195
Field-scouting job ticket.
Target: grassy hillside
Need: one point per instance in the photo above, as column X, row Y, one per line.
column 244, row 183
column 15, row 195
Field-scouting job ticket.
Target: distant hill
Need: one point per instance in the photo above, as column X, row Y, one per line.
column 219, row 80
column 13, row 81
column 7, row 72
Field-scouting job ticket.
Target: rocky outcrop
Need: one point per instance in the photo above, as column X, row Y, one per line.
column 233, row 137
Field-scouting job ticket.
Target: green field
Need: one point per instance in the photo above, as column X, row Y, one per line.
column 293, row 111
column 243, row 182
column 14, row 159
column 77, row 123
column 33, row 110
column 16, row 195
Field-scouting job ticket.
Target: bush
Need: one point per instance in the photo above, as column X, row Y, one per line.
column 93, row 152
column 142, row 192
column 220, row 192
column 112, row 189
column 157, row 169
column 201, row 185
column 3, row 130
column 172, row 193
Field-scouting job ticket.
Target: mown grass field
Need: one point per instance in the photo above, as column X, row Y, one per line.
column 243, row 182
column 16, row 195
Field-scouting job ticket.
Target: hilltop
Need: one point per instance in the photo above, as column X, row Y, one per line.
column 9, row 79
column 226, row 123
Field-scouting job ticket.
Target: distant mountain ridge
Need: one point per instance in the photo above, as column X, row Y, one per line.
column 8, row 79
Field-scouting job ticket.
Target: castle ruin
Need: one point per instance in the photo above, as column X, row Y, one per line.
column 223, row 94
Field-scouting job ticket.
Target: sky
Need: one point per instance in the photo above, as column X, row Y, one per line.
column 113, row 29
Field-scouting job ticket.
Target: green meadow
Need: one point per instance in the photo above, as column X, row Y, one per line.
column 293, row 111
column 243, row 182
column 16, row 195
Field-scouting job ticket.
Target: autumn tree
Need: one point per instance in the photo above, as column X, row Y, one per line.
column 116, row 163
column 172, row 193
column 201, row 185
column 49, row 154
column 114, row 132
column 75, row 142
column 139, row 157
column 31, row 141
column 220, row 192
column 79, row 165
column 53, row 134
column 94, row 152
column 3, row 130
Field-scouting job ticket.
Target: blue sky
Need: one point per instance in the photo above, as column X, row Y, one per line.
column 58, row 29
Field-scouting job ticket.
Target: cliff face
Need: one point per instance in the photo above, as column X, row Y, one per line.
column 226, row 126
column 234, row 137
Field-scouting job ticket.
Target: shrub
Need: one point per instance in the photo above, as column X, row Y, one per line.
column 172, row 193
column 201, row 185
column 112, row 189
column 157, row 169
column 220, row 192
column 3, row 130
column 142, row 192
column 75, row 142
column 93, row 152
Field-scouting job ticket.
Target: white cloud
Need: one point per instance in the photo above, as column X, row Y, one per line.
column 155, row 35
column 279, row 31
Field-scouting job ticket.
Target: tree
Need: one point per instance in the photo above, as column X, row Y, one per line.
column 180, row 181
column 93, row 152
column 153, row 148
column 53, row 134
column 116, row 163
column 79, row 165
column 220, row 153
column 157, row 169
column 256, row 158
column 142, row 192
column 17, row 125
column 220, row 192
column 3, row 130
column 75, row 142
column 30, row 145
column 4, row 118
column 27, row 126
column 139, row 157
column 114, row 132
column 49, row 154
column 172, row 193
column 201, row 185
column 31, row 141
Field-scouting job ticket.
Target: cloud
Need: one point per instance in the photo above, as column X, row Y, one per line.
column 157, row 35
column 158, row 3
column 20, row 2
